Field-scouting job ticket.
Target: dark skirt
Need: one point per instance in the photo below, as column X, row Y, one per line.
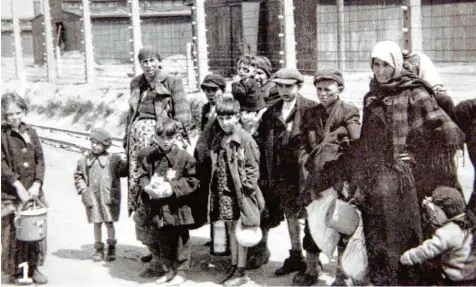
column 391, row 220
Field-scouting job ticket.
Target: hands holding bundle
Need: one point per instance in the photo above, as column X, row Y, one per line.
column 158, row 188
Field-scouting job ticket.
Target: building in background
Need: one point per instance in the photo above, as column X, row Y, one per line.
column 25, row 13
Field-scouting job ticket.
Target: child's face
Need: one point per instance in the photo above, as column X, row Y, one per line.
column 261, row 77
column 97, row 147
column 227, row 123
column 248, row 118
column 14, row 115
column 166, row 143
column 288, row 92
column 213, row 94
column 246, row 71
column 327, row 92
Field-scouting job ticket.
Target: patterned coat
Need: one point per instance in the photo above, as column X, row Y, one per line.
column 97, row 179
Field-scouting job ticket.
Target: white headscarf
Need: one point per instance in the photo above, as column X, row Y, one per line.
column 427, row 70
column 390, row 53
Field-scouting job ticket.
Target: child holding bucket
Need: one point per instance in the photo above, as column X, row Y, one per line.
column 97, row 180
column 23, row 169
column 235, row 173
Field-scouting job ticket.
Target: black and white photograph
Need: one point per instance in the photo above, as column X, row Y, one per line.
column 238, row 143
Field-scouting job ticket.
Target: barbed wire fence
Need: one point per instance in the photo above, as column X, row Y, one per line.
column 84, row 42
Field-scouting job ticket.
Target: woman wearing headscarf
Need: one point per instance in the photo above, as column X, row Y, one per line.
column 404, row 152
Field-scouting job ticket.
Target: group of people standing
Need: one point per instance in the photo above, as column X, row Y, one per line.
column 264, row 154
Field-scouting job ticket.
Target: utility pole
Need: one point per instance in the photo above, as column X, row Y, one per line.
column 340, row 35
column 17, row 42
column 136, row 34
column 289, row 37
column 50, row 54
column 88, row 42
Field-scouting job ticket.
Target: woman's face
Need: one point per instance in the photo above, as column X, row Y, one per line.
column 150, row 67
column 261, row 77
column 383, row 72
column 14, row 115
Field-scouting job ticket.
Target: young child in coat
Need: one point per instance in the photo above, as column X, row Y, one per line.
column 235, row 172
column 263, row 74
column 245, row 67
column 97, row 180
column 169, row 180
column 453, row 239
column 23, row 169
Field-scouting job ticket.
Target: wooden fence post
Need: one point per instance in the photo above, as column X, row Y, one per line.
column 136, row 35
column 17, row 42
column 50, row 54
column 200, row 40
column 412, row 26
column 340, row 35
column 289, row 37
column 88, row 42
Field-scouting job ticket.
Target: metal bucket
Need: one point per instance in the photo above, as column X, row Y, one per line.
column 30, row 224
column 342, row 217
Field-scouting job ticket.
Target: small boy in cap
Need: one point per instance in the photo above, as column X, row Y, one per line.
column 453, row 240
column 97, row 180
column 168, row 183
column 213, row 86
column 281, row 140
column 327, row 130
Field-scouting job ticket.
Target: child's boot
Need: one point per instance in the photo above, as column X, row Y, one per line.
column 111, row 250
column 99, row 254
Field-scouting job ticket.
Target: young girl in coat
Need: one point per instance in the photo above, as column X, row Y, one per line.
column 235, row 173
column 23, row 169
column 97, row 180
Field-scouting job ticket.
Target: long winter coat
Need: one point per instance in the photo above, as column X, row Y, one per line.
column 97, row 179
column 178, row 168
column 242, row 159
column 282, row 171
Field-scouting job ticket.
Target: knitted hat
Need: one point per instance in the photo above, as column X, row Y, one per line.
column 248, row 94
column 264, row 64
column 101, row 135
column 147, row 53
column 450, row 200
column 288, row 76
column 390, row 53
column 329, row 74
column 214, row 81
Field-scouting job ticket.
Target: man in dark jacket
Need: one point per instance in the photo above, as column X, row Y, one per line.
column 280, row 137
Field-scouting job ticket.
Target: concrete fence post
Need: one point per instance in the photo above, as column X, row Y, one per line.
column 340, row 35
column 50, row 53
column 17, row 42
column 289, row 36
column 200, row 39
column 412, row 26
column 136, row 34
column 88, row 42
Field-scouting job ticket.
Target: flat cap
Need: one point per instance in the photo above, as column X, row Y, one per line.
column 329, row 74
column 214, row 81
column 101, row 135
column 287, row 76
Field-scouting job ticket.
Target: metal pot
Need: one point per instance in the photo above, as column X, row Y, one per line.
column 30, row 223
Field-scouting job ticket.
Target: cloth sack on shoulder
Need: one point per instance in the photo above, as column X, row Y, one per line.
column 250, row 208
column 325, row 237
column 355, row 260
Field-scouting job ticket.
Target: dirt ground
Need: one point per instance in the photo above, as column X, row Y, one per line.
column 70, row 238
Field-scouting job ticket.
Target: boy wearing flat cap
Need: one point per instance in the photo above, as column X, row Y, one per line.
column 280, row 136
column 327, row 131
column 213, row 86
column 97, row 180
